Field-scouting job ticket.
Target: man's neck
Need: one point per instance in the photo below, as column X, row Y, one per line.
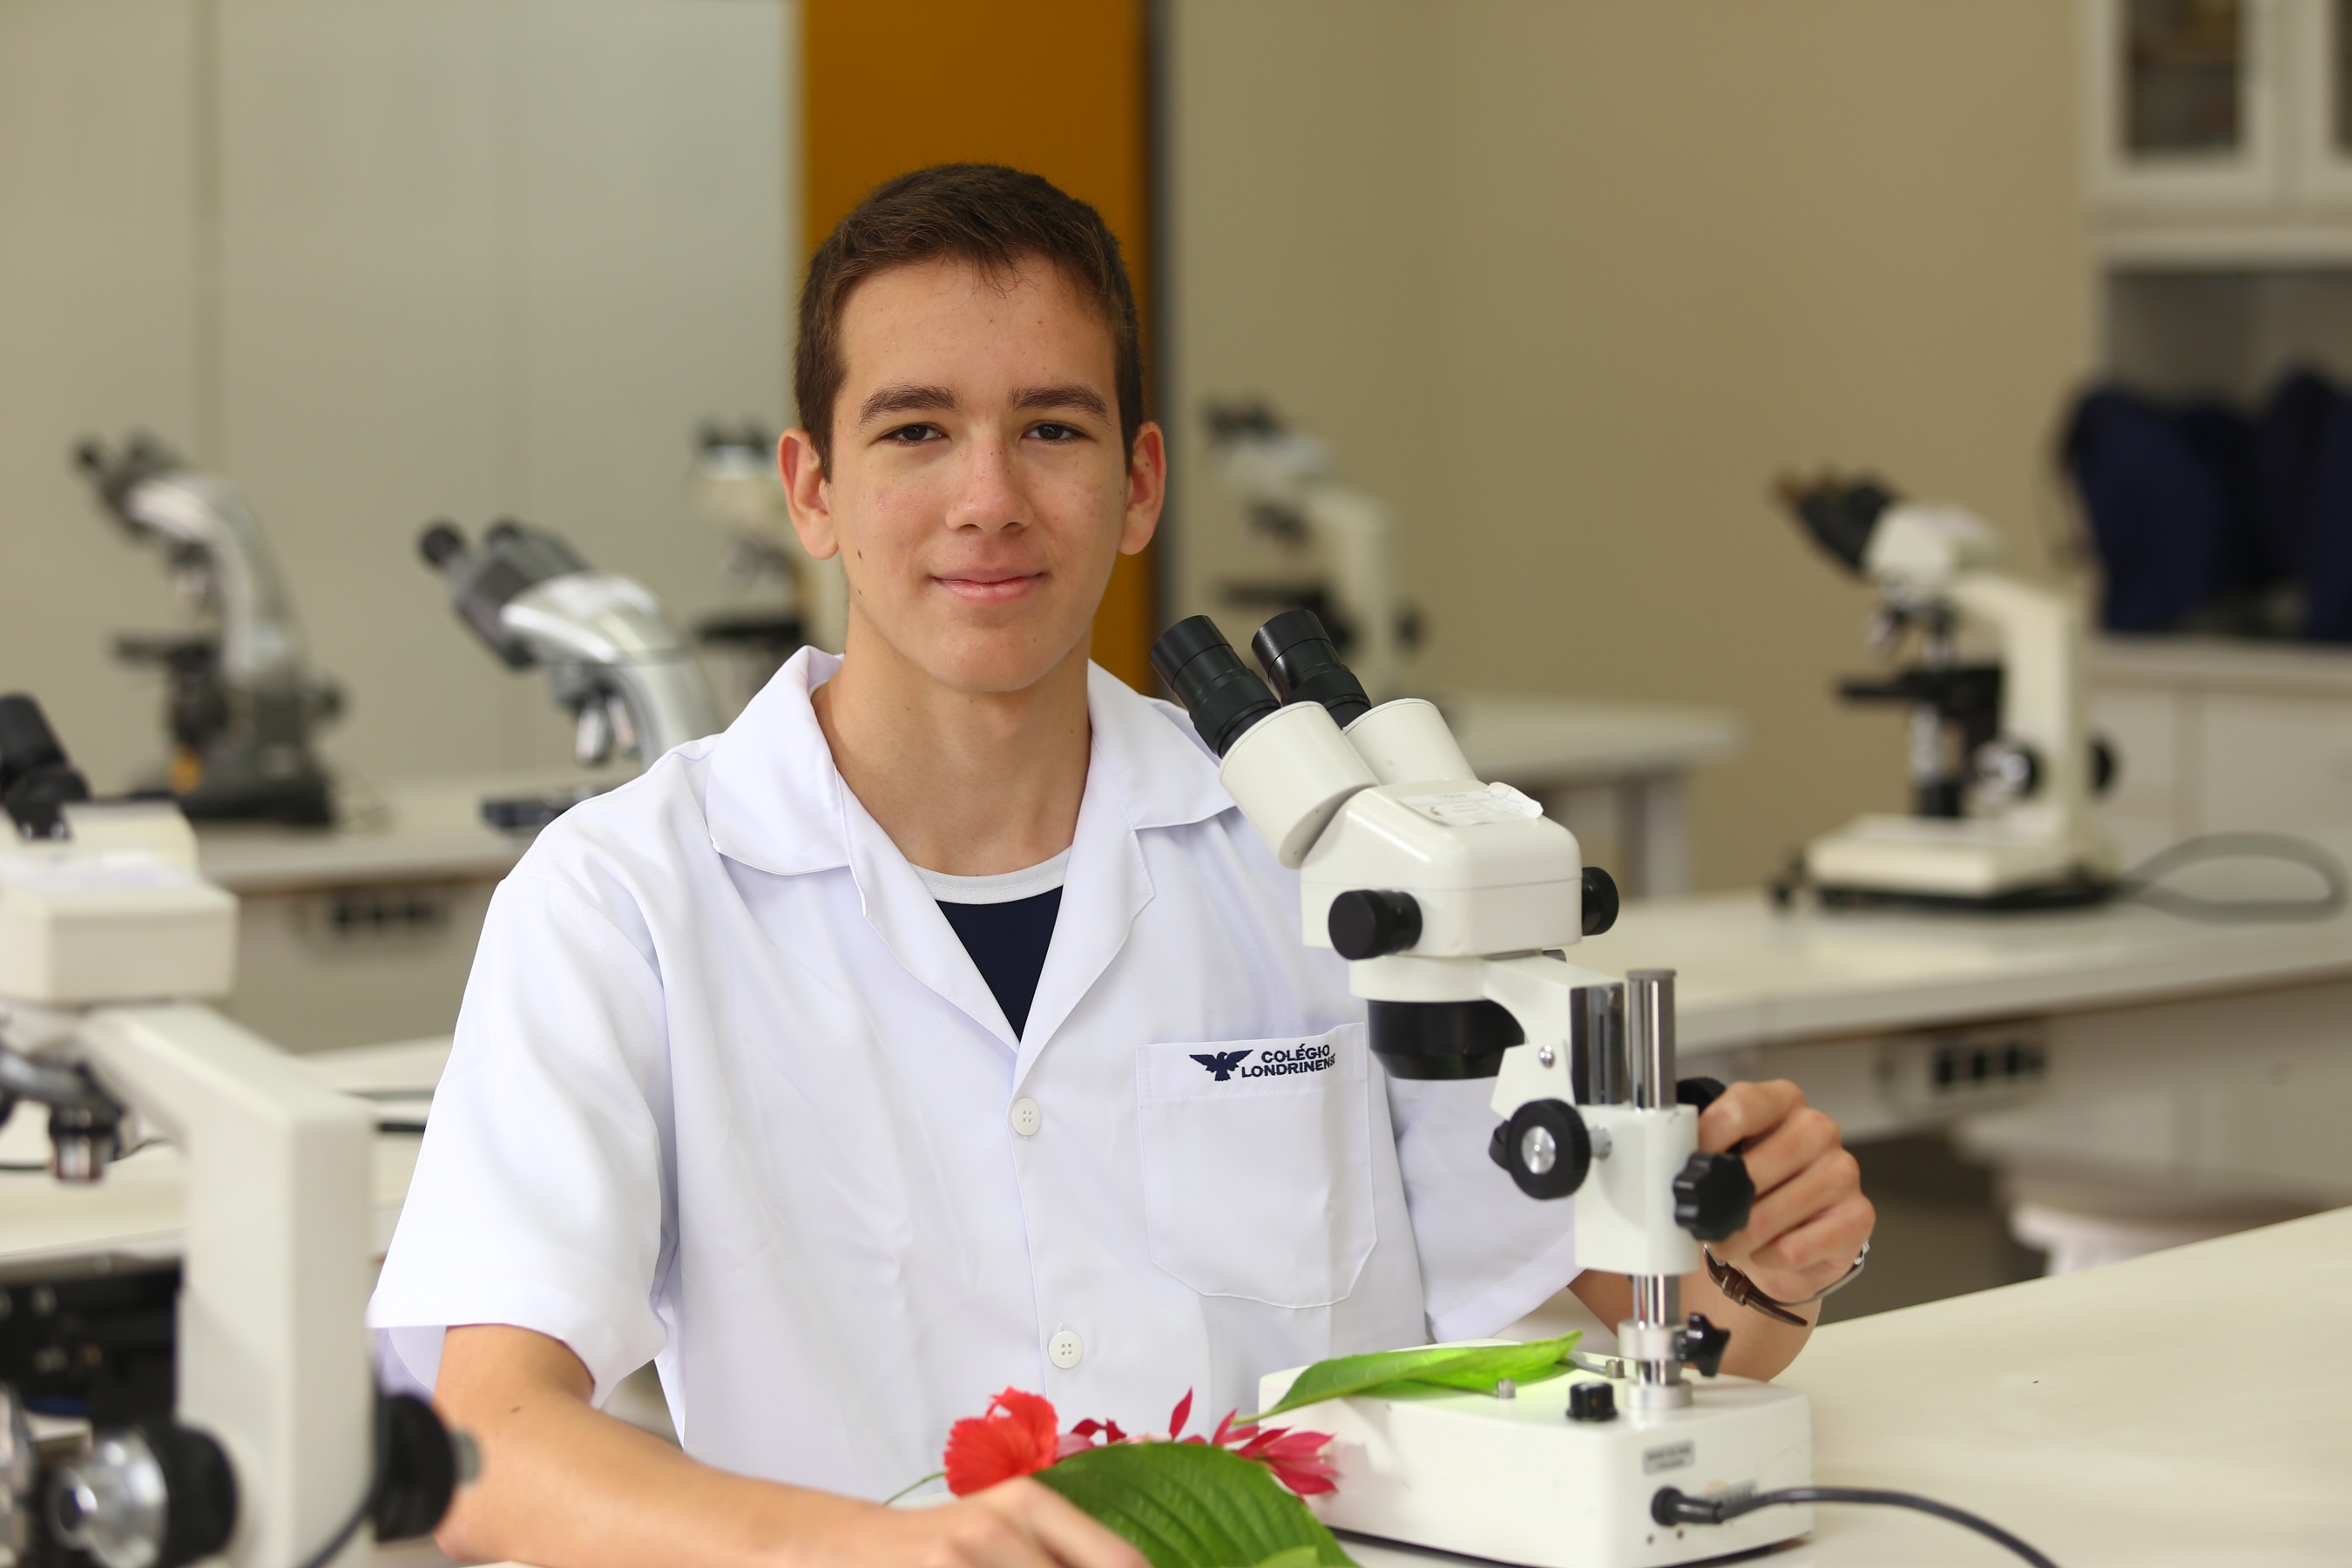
column 969, row 783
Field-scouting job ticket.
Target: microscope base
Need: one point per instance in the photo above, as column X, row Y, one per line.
column 1514, row 1481
column 1964, row 862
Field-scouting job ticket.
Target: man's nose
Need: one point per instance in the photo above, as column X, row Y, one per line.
column 989, row 495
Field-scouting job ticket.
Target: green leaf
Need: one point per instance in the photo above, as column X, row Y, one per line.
column 1189, row 1505
column 1297, row 1557
column 1384, row 1374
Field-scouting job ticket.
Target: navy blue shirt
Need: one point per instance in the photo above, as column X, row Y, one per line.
column 1007, row 942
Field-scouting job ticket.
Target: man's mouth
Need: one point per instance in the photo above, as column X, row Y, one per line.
column 989, row 587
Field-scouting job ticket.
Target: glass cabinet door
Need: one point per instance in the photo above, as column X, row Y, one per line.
column 2322, row 87
column 2183, row 101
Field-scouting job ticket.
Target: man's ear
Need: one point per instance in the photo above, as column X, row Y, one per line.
column 802, row 472
column 1147, row 489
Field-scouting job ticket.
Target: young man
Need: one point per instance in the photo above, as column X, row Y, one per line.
column 846, row 1063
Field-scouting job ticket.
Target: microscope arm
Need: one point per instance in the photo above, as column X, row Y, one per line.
column 608, row 633
column 258, row 638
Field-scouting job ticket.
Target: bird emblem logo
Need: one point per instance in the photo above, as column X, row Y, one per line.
column 1220, row 1063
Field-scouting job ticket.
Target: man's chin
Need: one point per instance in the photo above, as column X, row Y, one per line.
column 995, row 664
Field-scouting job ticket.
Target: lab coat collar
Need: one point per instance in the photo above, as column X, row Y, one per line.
column 775, row 802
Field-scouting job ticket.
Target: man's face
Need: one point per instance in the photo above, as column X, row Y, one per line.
column 978, row 493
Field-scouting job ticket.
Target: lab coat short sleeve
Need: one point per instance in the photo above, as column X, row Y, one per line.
column 1489, row 1253
column 544, row 1188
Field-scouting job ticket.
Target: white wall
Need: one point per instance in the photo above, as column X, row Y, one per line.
column 1569, row 281
column 377, row 263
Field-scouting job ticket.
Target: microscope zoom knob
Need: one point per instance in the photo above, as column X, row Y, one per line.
column 1600, row 900
column 1364, row 923
column 1713, row 1195
column 1544, row 1148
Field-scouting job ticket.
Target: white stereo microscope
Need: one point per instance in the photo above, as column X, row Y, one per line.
column 611, row 660
column 2003, row 766
column 232, row 1411
column 1285, row 477
column 243, row 701
column 736, row 486
column 1453, row 902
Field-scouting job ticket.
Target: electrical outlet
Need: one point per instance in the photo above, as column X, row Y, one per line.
column 1955, row 1070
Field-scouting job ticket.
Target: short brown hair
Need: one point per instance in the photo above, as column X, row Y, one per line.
column 983, row 213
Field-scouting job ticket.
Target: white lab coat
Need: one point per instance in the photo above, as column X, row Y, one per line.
column 729, row 1094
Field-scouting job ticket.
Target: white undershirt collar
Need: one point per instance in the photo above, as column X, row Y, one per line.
column 1001, row 888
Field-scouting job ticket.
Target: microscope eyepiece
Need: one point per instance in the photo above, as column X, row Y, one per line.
column 1303, row 665
column 440, row 543
column 37, row 781
column 1224, row 695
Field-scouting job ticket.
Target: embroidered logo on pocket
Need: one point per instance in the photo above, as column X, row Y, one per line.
column 1222, row 1063
column 1308, row 1056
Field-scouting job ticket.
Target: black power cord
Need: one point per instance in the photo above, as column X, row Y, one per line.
column 2145, row 880
column 1671, row 1505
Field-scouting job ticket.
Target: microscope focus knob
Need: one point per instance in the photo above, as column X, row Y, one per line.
column 1713, row 1195
column 1600, row 900
column 1703, row 1345
column 1544, row 1148
column 1364, row 923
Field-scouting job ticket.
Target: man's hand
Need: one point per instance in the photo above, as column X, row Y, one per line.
column 1810, row 1219
column 1019, row 1524
column 566, row 1486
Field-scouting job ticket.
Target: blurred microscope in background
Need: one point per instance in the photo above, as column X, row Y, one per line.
column 796, row 599
column 243, row 702
column 613, row 662
column 1345, row 537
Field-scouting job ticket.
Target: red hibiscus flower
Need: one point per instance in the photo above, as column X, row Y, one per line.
column 1016, row 1437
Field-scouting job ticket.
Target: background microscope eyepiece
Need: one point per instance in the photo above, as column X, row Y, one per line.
column 1304, row 665
column 1224, row 695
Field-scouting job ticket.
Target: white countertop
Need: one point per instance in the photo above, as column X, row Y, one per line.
column 2223, row 664
column 2126, row 1416
column 1545, row 740
column 427, row 830
column 1751, row 973
column 430, row 830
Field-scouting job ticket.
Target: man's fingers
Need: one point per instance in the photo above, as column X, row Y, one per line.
column 1830, row 1239
column 1797, row 1144
column 1068, row 1537
column 1746, row 1110
column 1814, row 1190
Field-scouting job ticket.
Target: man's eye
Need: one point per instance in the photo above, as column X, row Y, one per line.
column 912, row 434
column 1055, row 431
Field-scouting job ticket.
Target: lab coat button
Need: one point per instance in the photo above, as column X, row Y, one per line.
column 1028, row 1118
column 1065, row 1349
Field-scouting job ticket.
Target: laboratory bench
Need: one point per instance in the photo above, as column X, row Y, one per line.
column 1615, row 774
column 365, row 931
column 2111, row 1417
column 2203, row 1057
column 2108, row 1418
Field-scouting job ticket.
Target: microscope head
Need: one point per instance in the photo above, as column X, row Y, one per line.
column 513, row 558
column 1911, row 551
column 1410, row 868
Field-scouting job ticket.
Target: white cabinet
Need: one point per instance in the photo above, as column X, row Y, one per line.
column 2220, row 129
column 2222, row 737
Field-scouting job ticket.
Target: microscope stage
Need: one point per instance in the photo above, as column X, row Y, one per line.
column 1514, row 1481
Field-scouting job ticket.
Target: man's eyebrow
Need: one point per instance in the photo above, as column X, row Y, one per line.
column 1069, row 396
column 905, row 399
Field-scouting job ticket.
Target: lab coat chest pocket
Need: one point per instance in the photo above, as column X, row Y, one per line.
column 1257, row 1170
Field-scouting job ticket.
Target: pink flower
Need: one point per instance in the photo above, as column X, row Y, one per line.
column 1294, row 1457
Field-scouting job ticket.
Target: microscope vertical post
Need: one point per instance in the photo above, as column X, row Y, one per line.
column 1657, row 1304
